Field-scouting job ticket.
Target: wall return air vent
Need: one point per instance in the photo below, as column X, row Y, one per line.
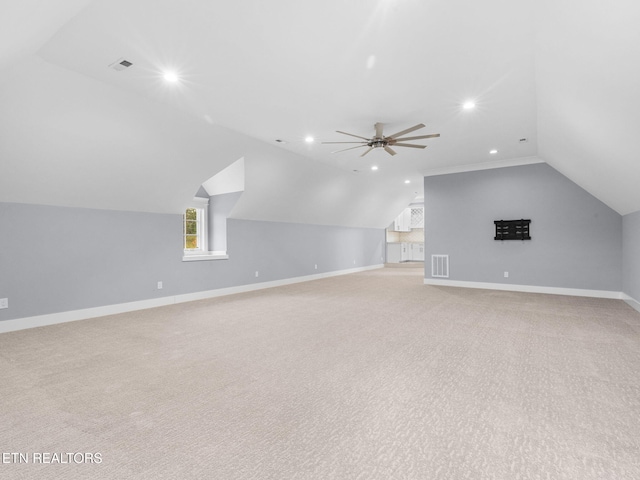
column 440, row 266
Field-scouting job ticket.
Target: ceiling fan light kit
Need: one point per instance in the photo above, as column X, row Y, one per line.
column 379, row 140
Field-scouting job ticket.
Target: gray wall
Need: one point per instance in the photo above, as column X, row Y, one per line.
column 631, row 255
column 576, row 239
column 56, row 259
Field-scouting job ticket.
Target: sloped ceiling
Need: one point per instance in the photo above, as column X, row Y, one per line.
column 588, row 73
column 74, row 132
column 26, row 25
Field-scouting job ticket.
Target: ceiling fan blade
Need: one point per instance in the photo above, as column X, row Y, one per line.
column 408, row 130
column 323, row 143
column 389, row 150
column 352, row 135
column 378, row 127
column 408, row 145
column 350, row 148
column 367, row 151
column 433, row 135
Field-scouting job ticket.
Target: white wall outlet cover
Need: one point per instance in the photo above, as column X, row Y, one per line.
column 159, row 285
column 4, row 303
column 506, row 274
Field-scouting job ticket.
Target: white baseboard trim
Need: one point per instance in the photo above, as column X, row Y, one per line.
column 632, row 302
column 87, row 313
column 576, row 292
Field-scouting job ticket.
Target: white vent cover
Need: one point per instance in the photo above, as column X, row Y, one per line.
column 120, row 64
column 440, row 266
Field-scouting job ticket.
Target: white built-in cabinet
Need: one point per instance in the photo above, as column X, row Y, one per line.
column 403, row 222
column 411, row 252
column 411, row 217
column 417, row 251
column 405, row 252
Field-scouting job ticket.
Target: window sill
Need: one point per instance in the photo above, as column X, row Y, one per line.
column 201, row 257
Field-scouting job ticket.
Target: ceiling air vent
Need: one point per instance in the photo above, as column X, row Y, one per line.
column 120, row 64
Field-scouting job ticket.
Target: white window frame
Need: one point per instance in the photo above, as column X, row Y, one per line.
column 201, row 215
column 201, row 205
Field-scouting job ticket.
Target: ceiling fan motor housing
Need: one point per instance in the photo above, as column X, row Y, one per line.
column 377, row 143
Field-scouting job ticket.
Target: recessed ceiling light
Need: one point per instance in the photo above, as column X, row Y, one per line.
column 468, row 105
column 309, row 139
column 171, row 77
column 493, row 152
column 407, row 181
column 375, row 167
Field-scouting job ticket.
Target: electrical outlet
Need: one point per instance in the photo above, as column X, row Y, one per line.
column 506, row 274
column 354, row 262
column 257, row 273
column 316, row 266
column 4, row 303
column 159, row 285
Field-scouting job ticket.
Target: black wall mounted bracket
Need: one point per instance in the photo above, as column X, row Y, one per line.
column 512, row 229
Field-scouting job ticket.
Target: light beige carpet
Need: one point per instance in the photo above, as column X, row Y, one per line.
column 366, row 376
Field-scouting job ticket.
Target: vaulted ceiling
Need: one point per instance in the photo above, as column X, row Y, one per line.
column 561, row 74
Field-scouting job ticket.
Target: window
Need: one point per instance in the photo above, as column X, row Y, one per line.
column 195, row 241
column 193, row 229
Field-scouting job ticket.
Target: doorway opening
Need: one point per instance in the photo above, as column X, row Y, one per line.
column 405, row 238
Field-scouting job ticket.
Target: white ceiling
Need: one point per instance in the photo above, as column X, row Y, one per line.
column 563, row 74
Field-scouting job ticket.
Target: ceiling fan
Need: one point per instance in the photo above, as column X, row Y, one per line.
column 386, row 142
